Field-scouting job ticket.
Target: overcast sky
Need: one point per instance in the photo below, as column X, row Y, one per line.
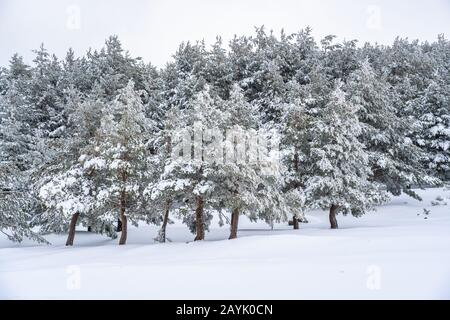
column 153, row 29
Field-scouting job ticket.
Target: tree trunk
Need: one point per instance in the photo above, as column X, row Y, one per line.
column 333, row 221
column 295, row 222
column 234, row 224
column 72, row 225
column 162, row 231
column 199, row 225
column 123, row 219
column 119, row 225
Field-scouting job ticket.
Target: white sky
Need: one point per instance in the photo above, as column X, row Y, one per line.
column 153, row 29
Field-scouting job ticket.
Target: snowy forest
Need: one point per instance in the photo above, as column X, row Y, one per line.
column 88, row 141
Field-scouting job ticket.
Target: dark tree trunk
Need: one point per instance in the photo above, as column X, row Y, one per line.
column 72, row 225
column 123, row 219
column 234, row 224
column 162, row 231
column 119, row 225
column 295, row 222
column 333, row 221
column 199, row 224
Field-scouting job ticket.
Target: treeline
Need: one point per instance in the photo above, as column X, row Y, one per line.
column 89, row 140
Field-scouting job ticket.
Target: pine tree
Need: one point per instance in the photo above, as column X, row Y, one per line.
column 66, row 187
column 185, row 178
column 119, row 156
column 15, row 198
column 394, row 160
column 15, row 205
column 18, row 157
column 185, row 77
column 238, row 178
column 45, row 92
column 218, row 70
column 435, row 123
column 336, row 167
column 294, row 142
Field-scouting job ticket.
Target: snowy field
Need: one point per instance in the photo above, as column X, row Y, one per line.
column 395, row 252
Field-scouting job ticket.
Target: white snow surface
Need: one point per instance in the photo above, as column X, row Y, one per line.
column 393, row 253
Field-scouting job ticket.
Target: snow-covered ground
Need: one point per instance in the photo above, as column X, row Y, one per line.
column 395, row 252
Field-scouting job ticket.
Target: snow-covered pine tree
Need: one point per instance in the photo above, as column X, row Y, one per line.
column 66, row 188
column 269, row 70
column 393, row 158
column 45, row 92
column 339, row 60
column 435, row 128
column 185, row 180
column 278, row 200
column 18, row 155
column 119, row 156
column 238, row 176
column 163, row 193
column 434, row 136
column 75, row 74
column 294, row 140
column 160, row 195
column 184, row 77
column 218, row 71
column 180, row 81
column 410, row 68
column 305, row 54
column 16, row 199
column 67, row 200
column 110, row 69
column 15, row 206
column 336, row 167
